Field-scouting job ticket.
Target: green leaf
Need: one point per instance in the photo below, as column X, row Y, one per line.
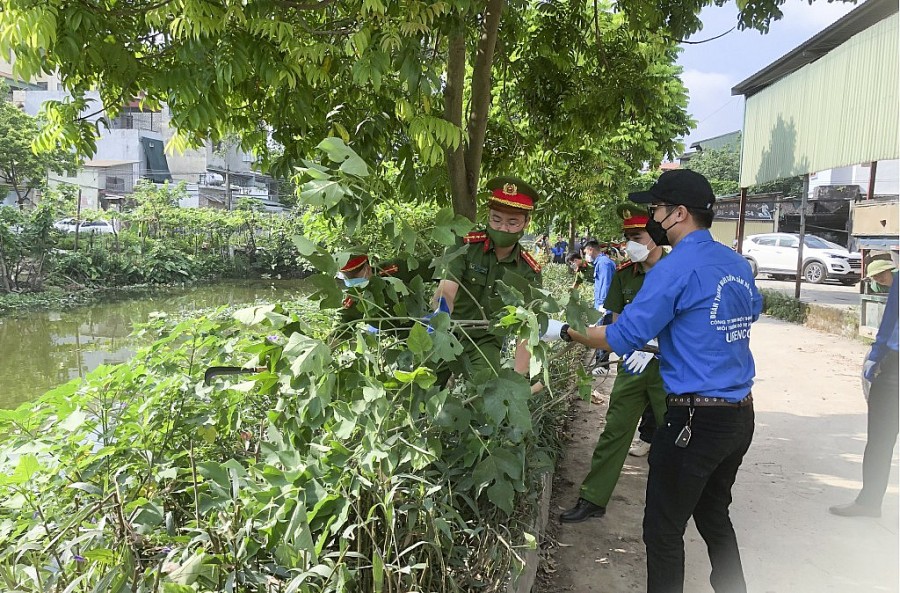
column 422, row 376
column 419, row 342
column 27, row 467
column 306, row 355
column 507, row 393
column 73, row 421
column 502, row 495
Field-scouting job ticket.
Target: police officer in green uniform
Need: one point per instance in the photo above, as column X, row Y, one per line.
column 370, row 296
column 583, row 270
column 469, row 287
column 638, row 382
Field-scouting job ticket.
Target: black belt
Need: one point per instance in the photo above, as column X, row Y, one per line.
column 701, row 401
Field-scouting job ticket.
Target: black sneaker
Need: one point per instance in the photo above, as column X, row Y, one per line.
column 582, row 511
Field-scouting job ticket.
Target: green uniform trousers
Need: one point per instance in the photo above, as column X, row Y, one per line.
column 627, row 401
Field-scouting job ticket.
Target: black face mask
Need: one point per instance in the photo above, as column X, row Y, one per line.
column 657, row 231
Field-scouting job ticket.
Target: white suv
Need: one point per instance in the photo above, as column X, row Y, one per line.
column 775, row 254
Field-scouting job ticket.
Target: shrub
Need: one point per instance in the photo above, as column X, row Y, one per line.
column 781, row 306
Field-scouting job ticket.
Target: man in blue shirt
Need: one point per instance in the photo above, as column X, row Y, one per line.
column 604, row 268
column 881, row 369
column 700, row 302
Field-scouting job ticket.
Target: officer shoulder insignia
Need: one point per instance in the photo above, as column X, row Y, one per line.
column 475, row 237
column 349, row 302
column 389, row 270
column 532, row 263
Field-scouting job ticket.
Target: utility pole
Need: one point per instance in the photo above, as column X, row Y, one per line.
column 228, row 204
column 77, row 218
column 803, row 200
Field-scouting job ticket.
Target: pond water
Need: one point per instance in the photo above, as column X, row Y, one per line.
column 42, row 349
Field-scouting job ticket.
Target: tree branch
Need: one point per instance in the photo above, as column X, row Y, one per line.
column 453, row 101
column 481, row 92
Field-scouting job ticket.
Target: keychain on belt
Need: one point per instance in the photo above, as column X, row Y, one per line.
column 684, row 437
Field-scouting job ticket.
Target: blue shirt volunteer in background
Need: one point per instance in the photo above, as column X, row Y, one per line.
column 700, row 301
column 882, row 369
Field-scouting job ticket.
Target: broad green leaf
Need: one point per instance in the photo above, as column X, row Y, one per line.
column 306, row 355
column 502, row 494
column 422, row 376
column 26, row 468
column 73, row 421
column 419, row 342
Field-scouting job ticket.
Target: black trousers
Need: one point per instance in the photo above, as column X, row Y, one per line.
column 647, row 427
column 881, row 433
column 695, row 482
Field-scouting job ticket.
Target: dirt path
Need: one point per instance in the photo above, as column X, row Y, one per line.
column 806, row 456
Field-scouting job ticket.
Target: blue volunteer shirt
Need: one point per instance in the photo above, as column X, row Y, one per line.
column 886, row 339
column 700, row 301
column 604, row 268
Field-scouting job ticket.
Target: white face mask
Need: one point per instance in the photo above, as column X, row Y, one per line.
column 637, row 252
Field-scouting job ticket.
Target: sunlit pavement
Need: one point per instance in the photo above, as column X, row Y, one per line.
column 831, row 294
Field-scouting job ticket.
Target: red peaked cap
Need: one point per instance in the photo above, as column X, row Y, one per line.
column 355, row 262
column 632, row 217
column 511, row 192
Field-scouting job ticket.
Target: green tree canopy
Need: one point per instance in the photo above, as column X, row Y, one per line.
column 418, row 83
column 22, row 169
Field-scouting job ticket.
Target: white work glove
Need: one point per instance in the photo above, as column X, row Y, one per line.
column 637, row 361
column 554, row 326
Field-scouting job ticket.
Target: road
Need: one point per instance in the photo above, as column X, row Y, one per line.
column 806, row 456
column 835, row 295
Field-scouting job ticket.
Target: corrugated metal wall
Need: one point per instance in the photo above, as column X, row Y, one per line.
column 840, row 110
column 724, row 231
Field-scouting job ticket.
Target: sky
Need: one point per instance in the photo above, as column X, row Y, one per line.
column 711, row 69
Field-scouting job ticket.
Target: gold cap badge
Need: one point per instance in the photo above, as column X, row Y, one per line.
column 510, row 189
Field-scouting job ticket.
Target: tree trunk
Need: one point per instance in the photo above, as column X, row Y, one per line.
column 464, row 164
column 4, row 273
column 463, row 204
column 572, row 236
column 481, row 92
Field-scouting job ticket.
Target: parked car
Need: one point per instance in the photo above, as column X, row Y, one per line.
column 775, row 254
column 98, row 227
column 66, row 225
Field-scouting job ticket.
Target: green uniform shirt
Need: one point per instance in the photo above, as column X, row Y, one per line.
column 626, row 283
column 477, row 272
column 379, row 299
column 585, row 273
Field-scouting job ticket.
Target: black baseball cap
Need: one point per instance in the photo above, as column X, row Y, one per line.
column 681, row 187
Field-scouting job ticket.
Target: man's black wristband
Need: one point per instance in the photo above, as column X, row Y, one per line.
column 564, row 333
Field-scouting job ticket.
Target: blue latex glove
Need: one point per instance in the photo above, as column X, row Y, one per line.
column 372, row 329
column 443, row 307
column 870, row 369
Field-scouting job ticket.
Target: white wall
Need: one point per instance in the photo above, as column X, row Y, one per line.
column 887, row 178
column 88, row 180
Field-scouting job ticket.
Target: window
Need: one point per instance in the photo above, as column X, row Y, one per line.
column 815, row 242
column 42, row 85
column 788, row 242
column 765, row 241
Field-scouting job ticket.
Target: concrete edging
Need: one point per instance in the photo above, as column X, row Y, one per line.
column 524, row 580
